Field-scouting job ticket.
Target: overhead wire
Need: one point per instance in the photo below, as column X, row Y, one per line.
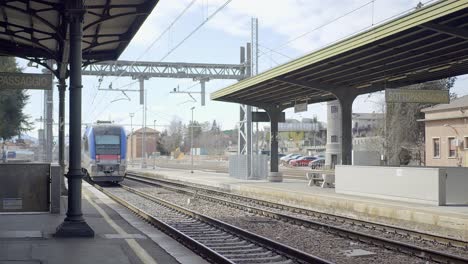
column 348, row 13
column 149, row 47
column 323, row 25
column 275, row 51
column 196, row 29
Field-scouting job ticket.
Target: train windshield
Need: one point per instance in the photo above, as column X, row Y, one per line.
column 107, row 140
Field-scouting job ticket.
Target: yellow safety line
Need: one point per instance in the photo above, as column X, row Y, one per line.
column 139, row 251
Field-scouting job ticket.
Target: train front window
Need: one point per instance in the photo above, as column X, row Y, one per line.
column 107, row 144
column 107, row 140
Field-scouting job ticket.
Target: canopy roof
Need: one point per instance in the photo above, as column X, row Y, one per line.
column 427, row 44
column 37, row 29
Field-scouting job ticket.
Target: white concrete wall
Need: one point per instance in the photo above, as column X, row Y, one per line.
column 366, row 158
column 456, row 185
column 409, row 184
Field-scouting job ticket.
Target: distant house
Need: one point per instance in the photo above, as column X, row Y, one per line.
column 447, row 133
column 135, row 140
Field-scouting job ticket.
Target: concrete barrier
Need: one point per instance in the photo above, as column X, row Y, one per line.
column 55, row 181
column 29, row 187
column 456, row 185
column 410, row 184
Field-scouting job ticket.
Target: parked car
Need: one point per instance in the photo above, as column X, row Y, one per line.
column 317, row 164
column 302, row 161
column 285, row 159
column 293, row 157
column 287, row 156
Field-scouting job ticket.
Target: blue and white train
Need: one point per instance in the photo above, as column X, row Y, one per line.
column 103, row 153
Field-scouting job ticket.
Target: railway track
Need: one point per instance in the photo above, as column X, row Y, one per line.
column 214, row 240
column 275, row 211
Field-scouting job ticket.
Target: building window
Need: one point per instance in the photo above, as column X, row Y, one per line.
column 466, row 143
column 452, row 147
column 334, row 109
column 334, row 139
column 436, row 147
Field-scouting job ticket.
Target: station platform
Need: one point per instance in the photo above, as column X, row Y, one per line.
column 446, row 221
column 120, row 237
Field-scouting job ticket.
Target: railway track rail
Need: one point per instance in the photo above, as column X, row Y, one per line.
column 214, row 240
column 398, row 246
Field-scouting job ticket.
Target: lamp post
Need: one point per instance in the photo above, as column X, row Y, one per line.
column 131, row 137
column 191, row 141
column 155, row 145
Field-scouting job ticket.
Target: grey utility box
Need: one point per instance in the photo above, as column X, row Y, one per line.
column 26, row 187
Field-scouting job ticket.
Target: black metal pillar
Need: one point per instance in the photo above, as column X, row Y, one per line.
column 74, row 224
column 346, row 98
column 274, row 175
column 346, row 128
column 61, row 134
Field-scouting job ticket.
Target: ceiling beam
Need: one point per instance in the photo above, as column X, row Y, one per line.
column 452, row 31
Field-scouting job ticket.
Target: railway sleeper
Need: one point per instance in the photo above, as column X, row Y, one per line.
column 199, row 229
column 219, row 241
column 195, row 225
column 241, row 250
column 229, row 244
column 254, row 255
column 200, row 235
column 215, row 238
column 235, row 247
column 271, row 259
column 195, row 231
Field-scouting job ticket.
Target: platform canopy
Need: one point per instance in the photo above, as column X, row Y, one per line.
column 428, row 44
column 36, row 29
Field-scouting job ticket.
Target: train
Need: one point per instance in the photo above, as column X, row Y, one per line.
column 103, row 153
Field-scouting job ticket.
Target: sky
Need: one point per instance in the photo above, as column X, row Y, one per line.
column 287, row 29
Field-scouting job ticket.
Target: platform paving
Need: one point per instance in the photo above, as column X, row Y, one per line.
column 449, row 221
column 120, row 237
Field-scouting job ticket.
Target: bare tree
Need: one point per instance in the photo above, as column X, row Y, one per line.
column 174, row 137
column 404, row 135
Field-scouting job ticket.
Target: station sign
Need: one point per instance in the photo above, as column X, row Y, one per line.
column 300, row 108
column 263, row 117
column 16, row 80
column 417, row 96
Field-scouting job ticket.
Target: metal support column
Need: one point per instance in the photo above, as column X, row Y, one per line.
column 346, row 126
column 274, row 175
column 202, row 84
column 74, row 224
column 49, row 125
column 61, row 134
column 143, row 139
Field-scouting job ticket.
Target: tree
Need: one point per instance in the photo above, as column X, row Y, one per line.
column 403, row 132
column 174, row 136
column 13, row 120
column 160, row 147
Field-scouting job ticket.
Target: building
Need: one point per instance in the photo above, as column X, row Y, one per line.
column 367, row 124
column 135, row 139
column 447, row 133
column 307, row 135
column 366, row 130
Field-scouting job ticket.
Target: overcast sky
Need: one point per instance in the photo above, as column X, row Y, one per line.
column 291, row 28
